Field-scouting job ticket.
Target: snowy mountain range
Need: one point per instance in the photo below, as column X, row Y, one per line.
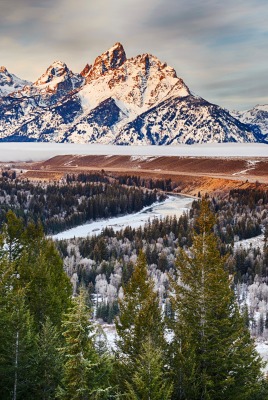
column 257, row 116
column 118, row 101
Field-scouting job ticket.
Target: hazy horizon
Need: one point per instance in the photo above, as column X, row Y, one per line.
column 39, row 151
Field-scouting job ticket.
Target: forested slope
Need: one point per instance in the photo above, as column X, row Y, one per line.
column 52, row 348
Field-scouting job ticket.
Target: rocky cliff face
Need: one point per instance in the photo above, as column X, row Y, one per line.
column 108, row 61
column 117, row 100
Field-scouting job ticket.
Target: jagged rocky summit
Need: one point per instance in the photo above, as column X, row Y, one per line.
column 116, row 100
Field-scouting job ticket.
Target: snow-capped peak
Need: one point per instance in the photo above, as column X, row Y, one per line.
column 257, row 115
column 58, row 70
column 136, row 84
column 10, row 82
column 56, row 81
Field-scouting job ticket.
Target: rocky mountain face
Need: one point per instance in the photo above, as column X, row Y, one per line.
column 116, row 100
column 257, row 116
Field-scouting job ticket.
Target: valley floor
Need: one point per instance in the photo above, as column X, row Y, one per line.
column 206, row 168
column 197, row 169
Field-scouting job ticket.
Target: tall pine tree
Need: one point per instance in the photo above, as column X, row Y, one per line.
column 139, row 320
column 33, row 289
column 38, row 265
column 17, row 348
column 212, row 354
column 85, row 372
column 48, row 361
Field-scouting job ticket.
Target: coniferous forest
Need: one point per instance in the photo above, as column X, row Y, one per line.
column 60, row 206
column 182, row 297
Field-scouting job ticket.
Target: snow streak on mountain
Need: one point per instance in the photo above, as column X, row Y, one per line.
column 116, row 101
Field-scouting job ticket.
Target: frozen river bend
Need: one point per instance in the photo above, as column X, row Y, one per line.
column 173, row 205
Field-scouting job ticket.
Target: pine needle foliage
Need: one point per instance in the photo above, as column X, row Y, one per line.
column 212, row 354
column 79, row 356
column 85, row 372
column 140, row 314
column 149, row 380
column 139, row 320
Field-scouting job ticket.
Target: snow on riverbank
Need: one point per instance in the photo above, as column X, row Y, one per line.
column 173, row 205
column 257, row 241
column 42, row 151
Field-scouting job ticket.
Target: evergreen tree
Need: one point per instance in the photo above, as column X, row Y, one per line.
column 17, row 348
column 48, row 362
column 48, row 286
column 84, row 375
column 36, row 262
column 139, row 319
column 212, row 354
column 17, row 336
column 12, row 232
column 149, row 380
column 33, row 286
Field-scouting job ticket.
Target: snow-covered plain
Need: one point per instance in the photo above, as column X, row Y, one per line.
column 173, row 205
column 32, row 151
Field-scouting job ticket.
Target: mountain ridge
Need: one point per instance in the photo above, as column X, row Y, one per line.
column 116, row 100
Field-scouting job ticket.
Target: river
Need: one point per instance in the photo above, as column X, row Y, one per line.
column 173, row 205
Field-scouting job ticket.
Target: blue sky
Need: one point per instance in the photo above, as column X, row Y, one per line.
column 219, row 48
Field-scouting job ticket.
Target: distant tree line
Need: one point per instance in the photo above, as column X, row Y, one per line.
column 165, row 184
